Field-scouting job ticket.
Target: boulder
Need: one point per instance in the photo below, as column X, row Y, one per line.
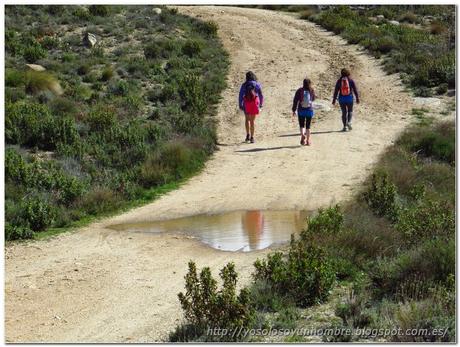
column 35, row 67
column 393, row 22
column 380, row 17
column 89, row 40
column 156, row 10
column 433, row 103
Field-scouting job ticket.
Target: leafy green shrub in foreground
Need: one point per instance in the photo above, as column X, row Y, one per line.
column 207, row 307
column 305, row 274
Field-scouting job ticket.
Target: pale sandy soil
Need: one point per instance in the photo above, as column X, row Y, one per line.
column 100, row 285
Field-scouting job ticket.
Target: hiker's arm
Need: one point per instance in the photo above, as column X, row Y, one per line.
column 355, row 90
column 336, row 92
column 313, row 95
column 261, row 97
column 240, row 98
column 295, row 102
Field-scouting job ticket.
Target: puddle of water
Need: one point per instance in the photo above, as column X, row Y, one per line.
column 235, row 231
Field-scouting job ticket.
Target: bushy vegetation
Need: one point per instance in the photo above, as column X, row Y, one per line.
column 393, row 248
column 425, row 58
column 103, row 127
column 205, row 307
column 407, row 254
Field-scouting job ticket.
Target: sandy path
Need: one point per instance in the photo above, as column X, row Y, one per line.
column 99, row 285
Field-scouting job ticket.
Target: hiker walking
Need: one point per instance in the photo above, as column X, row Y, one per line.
column 345, row 87
column 250, row 101
column 303, row 103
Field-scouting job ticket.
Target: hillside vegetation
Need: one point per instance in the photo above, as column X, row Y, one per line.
column 105, row 123
column 416, row 41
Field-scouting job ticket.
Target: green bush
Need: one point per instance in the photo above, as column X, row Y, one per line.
column 192, row 47
column 430, row 264
column 207, row 307
column 32, row 125
column 425, row 220
column 34, row 52
column 381, row 196
column 328, row 221
column 208, row 28
column 107, row 73
column 14, row 78
column 39, row 213
column 305, row 274
column 99, row 10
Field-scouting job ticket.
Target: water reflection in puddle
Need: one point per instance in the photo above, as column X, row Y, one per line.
column 235, row 231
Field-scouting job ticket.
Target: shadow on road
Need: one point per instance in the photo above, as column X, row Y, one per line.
column 313, row 133
column 259, row 149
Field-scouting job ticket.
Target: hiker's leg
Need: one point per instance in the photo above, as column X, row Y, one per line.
column 307, row 125
column 343, row 107
column 350, row 112
column 246, row 123
column 301, row 125
column 251, row 124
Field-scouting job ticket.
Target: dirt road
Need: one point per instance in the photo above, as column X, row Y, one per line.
column 100, row 285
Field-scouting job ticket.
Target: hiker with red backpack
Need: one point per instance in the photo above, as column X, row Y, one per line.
column 345, row 87
column 303, row 103
column 250, row 101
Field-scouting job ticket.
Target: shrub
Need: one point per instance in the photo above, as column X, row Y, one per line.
column 423, row 92
column 305, row 274
column 192, row 47
column 101, row 118
column 107, row 73
column 83, row 69
column 82, row 13
column 442, row 89
column 121, row 87
column 16, row 232
column 49, row 42
column 430, row 263
column 34, row 52
column 425, row 220
column 99, row 10
column 328, row 221
column 206, row 307
column 14, row 78
column 99, row 200
column 208, row 28
column 381, row 196
column 425, row 315
column 39, row 213
column 32, row 125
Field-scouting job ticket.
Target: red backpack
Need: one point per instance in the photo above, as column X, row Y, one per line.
column 345, row 87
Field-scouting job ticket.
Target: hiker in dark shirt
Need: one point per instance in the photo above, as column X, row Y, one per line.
column 345, row 87
column 303, row 103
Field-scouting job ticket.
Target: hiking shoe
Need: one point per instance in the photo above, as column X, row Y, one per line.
column 252, row 140
column 344, row 129
column 247, row 138
column 349, row 126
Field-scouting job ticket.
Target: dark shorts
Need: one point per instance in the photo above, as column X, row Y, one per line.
column 304, row 122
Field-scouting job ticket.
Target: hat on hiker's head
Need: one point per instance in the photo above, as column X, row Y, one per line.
column 251, row 76
column 345, row 72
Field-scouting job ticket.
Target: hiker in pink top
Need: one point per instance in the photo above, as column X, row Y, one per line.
column 251, row 102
